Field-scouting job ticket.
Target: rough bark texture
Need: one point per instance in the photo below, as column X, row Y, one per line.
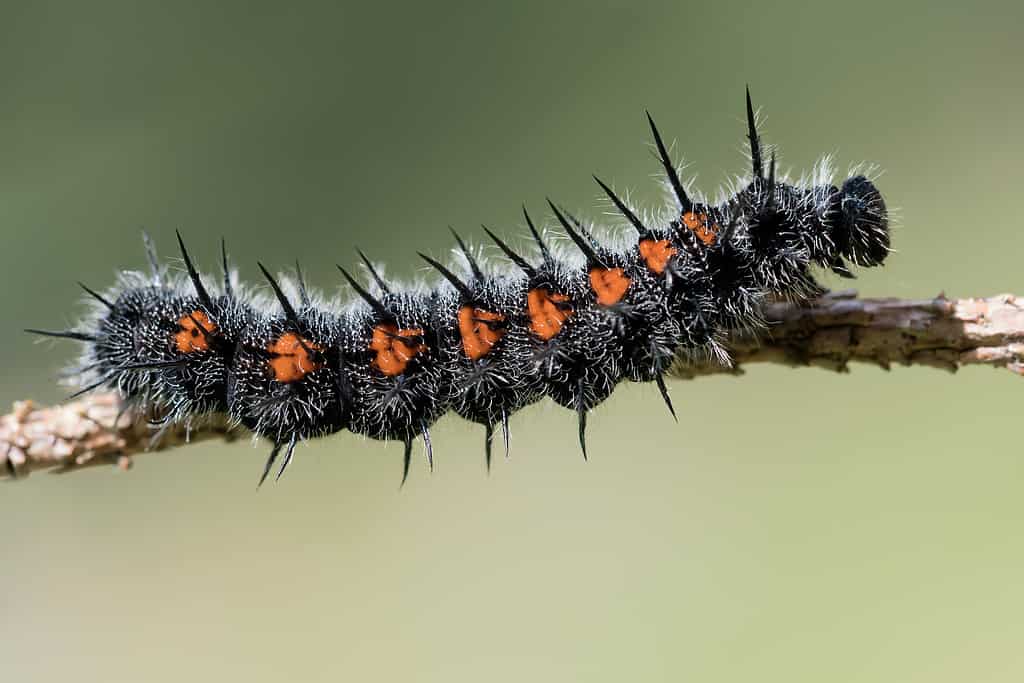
column 840, row 328
column 829, row 333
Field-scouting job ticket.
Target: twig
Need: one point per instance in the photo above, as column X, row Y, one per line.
column 84, row 433
column 828, row 333
column 839, row 328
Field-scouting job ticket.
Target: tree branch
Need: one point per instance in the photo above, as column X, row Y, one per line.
column 828, row 333
column 839, row 328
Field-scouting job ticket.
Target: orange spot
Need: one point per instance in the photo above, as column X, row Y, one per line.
column 698, row 224
column 190, row 338
column 289, row 359
column 609, row 284
column 546, row 316
column 394, row 348
column 478, row 337
column 657, row 253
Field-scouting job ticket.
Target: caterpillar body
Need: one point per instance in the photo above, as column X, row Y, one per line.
column 484, row 343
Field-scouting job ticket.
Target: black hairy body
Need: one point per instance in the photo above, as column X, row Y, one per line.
column 481, row 344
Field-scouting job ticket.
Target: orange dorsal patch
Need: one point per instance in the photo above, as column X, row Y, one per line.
column 395, row 348
column 609, row 284
column 656, row 254
column 190, row 338
column 697, row 223
column 546, row 315
column 290, row 360
column 476, row 326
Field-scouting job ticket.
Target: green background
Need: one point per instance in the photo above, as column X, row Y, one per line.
column 796, row 525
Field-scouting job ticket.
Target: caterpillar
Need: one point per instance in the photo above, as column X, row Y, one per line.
column 567, row 323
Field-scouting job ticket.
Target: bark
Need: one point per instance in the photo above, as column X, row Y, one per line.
column 829, row 333
column 840, row 328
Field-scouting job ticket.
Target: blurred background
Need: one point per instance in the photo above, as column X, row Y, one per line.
column 795, row 525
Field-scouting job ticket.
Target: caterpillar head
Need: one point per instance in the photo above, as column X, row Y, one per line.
column 860, row 222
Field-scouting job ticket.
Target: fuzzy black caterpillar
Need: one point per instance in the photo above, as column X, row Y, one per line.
column 486, row 342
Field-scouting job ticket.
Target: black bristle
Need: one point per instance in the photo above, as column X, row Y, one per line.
column 459, row 285
column 70, row 334
column 286, row 306
column 504, row 431
column 474, row 267
column 427, row 445
column 537, row 238
column 513, row 256
column 755, row 142
column 228, row 290
column 94, row 385
column 488, row 438
column 670, row 169
column 381, row 284
column 593, row 258
column 97, row 296
column 663, row 390
column 623, row 209
column 375, row 303
column 581, row 415
column 303, row 293
column 287, row 457
column 193, row 274
column 406, row 459
column 269, row 463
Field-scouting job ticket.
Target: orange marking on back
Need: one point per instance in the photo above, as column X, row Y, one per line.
column 190, row 338
column 289, row 361
column 657, row 253
column 394, row 348
column 698, row 224
column 478, row 338
column 546, row 316
column 609, row 284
